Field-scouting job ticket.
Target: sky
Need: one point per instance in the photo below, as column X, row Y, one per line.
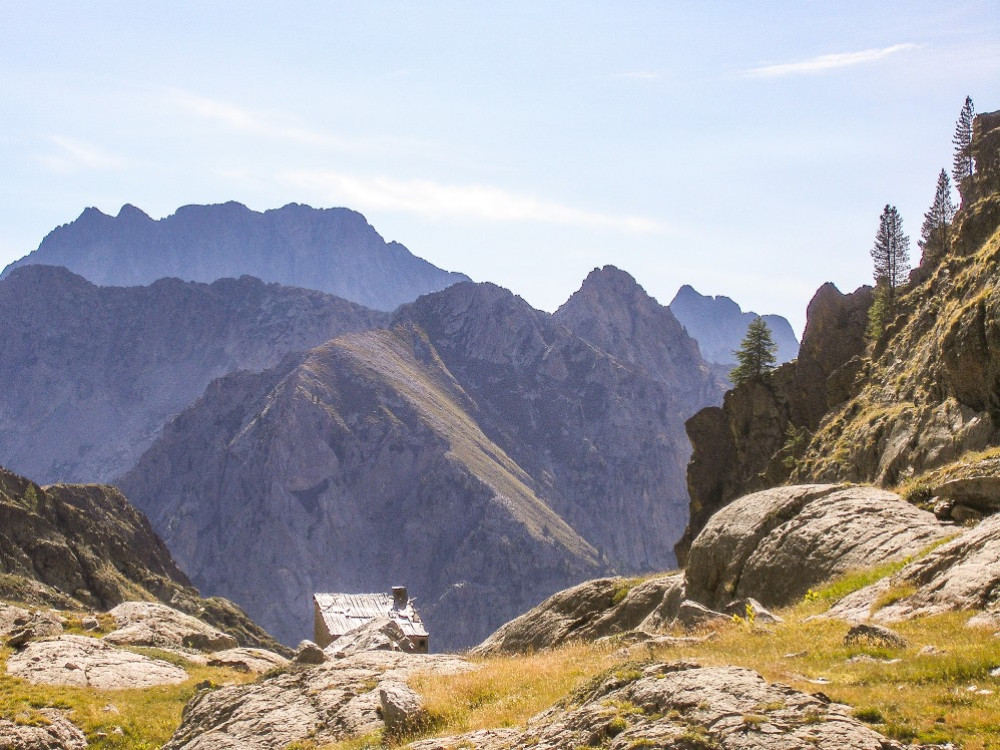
column 745, row 148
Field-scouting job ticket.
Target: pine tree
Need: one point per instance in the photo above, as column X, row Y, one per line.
column 934, row 234
column 891, row 252
column 963, row 166
column 755, row 355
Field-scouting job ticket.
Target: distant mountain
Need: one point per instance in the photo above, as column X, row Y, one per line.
column 719, row 325
column 333, row 250
column 90, row 374
column 478, row 450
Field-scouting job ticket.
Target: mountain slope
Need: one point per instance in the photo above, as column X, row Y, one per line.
column 76, row 546
column 476, row 450
column 92, row 373
column 333, row 250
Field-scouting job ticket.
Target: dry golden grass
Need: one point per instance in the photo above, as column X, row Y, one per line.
column 146, row 718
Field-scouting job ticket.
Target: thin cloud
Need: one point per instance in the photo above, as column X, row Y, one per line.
column 73, row 155
column 436, row 200
column 827, row 62
column 255, row 123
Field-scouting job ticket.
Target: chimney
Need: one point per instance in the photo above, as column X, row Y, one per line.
column 399, row 597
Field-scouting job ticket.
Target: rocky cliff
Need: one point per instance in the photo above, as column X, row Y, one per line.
column 476, row 449
column 92, row 373
column 85, row 546
column 333, row 250
column 719, row 325
column 922, row 396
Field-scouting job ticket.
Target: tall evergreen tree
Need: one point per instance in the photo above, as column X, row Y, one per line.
column 891, row 252
column 755, row 355
column 937, row 221
column 963, row 166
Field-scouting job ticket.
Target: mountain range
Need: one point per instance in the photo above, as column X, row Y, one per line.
column 333, row 250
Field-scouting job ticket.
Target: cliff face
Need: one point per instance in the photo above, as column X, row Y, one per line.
column 92, row 373
column 333, row 250
column 86, row 546
column 924, row 394
column 476, row 450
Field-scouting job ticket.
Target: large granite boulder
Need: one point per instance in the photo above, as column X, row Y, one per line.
column 777, row 544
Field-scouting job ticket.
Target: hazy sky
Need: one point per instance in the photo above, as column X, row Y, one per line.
column 745, row 148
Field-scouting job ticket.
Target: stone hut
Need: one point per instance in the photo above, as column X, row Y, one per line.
column 335, row 615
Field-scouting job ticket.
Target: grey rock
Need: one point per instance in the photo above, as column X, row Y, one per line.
column 380, row 634
column 308, row 652
column 58, row 734
column 589, row 611
column 247, row 660
column 681, row 706
column 157, row 625
column 751, row 608
column 776, row 544
column 981, row 493
column 81, row 661
column 962, row 575
column 90, row 624
column 692, row 615
column 402, row 708
column 874, row 635
column 329, row 702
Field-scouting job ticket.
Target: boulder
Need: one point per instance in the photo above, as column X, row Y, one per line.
column 402, row 708
column 157, row 625
column 18, row 625
column 982, row 493
column 684, row 706
column 380, row 634
column 247, row 660
column 81, row 661
column 57, row 733
column 750, row 608
column 589, row 611
column 962, row 575
column 308, row 653
column 330, row 702
column 692, row 615
column 874, row 635
column 777, row 544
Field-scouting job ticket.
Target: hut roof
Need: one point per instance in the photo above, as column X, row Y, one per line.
column 343, row 613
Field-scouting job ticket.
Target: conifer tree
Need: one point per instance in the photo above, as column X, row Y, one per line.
column 891, row 252
column 963, row 166
column 755, row 355
column 934, row 234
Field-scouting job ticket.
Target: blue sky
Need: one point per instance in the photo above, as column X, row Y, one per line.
column 744, row 148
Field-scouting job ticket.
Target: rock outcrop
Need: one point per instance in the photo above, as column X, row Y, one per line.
column 333, row 701
column 54, row 732
column 91, row 374
column 683, row 705
column 962, row 575
column 719, row 325
column 82, row 661
column 917, row 399
column 86, row 547
column 476, row 449
column 776, row 544
column 157, row 625
column 591, row 610
column 333, row 250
